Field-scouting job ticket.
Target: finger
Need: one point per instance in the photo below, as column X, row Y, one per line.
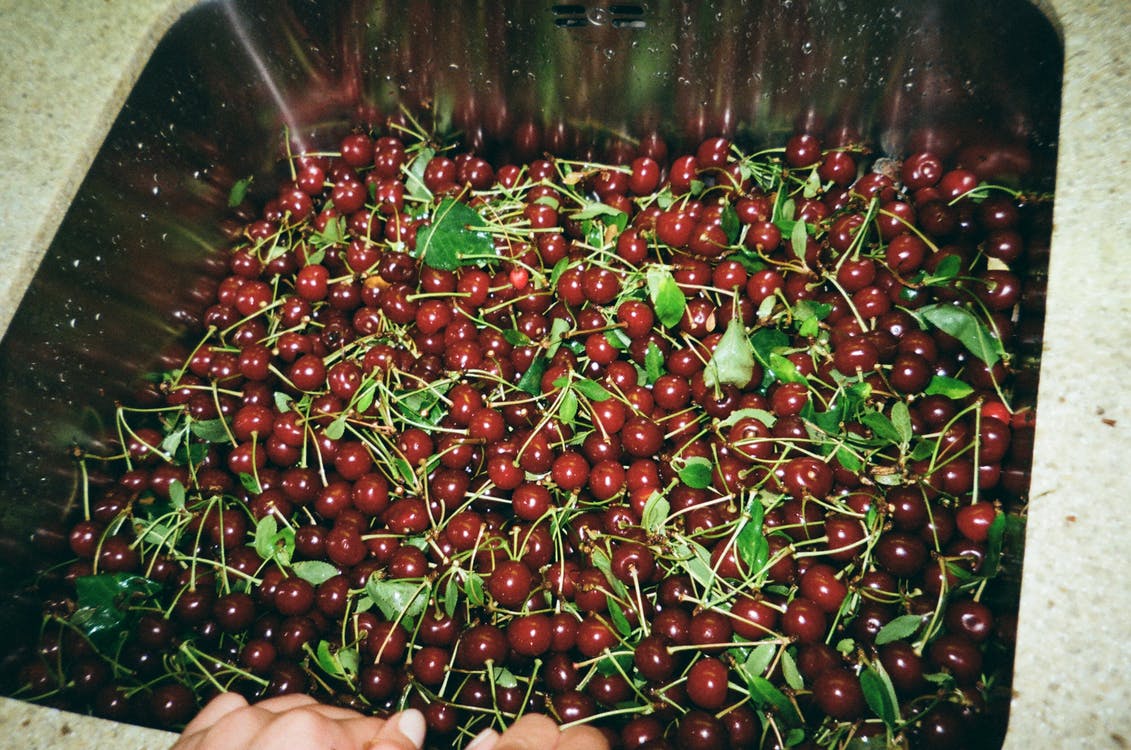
column 337, row 713
column 299, row 728
column 234, row 729
column 403, row 731
column 282, row 703
column 362, row 729
column 485, row 740
column 530, row 732
column 582, row 738
column 220, row 706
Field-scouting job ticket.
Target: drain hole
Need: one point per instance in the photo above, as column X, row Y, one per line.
column 619, row 16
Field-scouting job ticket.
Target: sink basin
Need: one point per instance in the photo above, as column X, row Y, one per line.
column 232, row 83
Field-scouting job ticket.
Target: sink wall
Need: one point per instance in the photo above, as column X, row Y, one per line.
column 1076, row 697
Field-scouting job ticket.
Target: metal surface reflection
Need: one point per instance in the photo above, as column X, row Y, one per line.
column 133, row 261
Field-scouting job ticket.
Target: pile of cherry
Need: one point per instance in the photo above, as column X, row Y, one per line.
column 712, row 452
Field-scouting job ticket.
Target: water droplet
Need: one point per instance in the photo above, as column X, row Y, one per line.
column 807, row 48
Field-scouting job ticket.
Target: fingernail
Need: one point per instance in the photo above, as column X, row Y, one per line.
column 485, row 740
column 411, row 725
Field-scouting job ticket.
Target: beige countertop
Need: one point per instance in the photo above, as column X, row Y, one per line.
column 62, row 83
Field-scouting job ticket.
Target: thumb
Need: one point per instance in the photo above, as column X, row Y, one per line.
column 403, row 731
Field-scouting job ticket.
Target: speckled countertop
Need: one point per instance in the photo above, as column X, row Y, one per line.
column 62, row 82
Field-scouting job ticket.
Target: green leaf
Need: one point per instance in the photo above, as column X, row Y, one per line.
column 696, row 472
column 250, row 483
column 567, row 411
column 239, row 191
column 941, row 385
column 595, row 209
column 210, row 430
column 733, row 359
column 924, row 449
column 177, row 494
column 283, row 401
column 504, row 678
column 558, row 330
column 591, row 389
column 452, row 239
column 789, row 671
column 104, row 604
column 759, row 660
column 798, row 239
column 265, row 532
column 731, row 226
column 559, row 268
column 350, row 661
column 946, row 270
column 766, row 307
column 846, row 458
column 761, row 415
column 314, row 571
column 531, row 380
column 880, row 693
column 808, row 309
column 963, row 325
column 451, row 596
column 881, row 426
column 474, row 588
column 994, row 544
column 394, row 597
column 365, row 396
column 602, row 562
column 615, row 663
column 337, row 428
column 766, row 342
column 414, row 174
column 696, row 561
column 516, row 338
column 784, row 369
column 752, row 545
column 764, row 693
column 329, row 662
column 899, row 628
column 901, row 421
column 845, row 646
column 653, row 362
column 618, row 339
column 808, row 314
column 812, row 185
column 655, row 513
column 667, row 298
column 794, row 737
column 333, row 233
column 620, row 622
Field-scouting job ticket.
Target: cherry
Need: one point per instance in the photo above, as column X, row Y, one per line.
column 837, row 692
column 481, row 644
column 530, row 635
column 172, row 704
column 700, row 729
column 510, row 583
column 974, row 521
column 802, row 150
column 970, row 618
column 803, row 621
column 707, row 683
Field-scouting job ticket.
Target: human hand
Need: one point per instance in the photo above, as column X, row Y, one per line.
column 229, row 723
column 299, row 721
column 536, row 732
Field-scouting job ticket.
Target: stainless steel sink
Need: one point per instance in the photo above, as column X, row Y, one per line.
column 232, row 82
